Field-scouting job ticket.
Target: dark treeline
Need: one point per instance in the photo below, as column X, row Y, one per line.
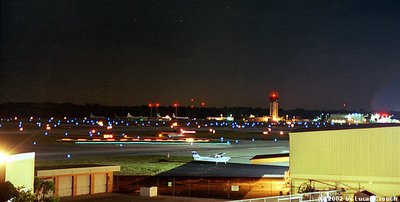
column 79, row 111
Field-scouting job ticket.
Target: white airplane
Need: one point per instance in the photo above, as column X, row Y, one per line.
column 171, row 135
column 220, row 157
column 179, row 117
column 92, row 116
column 140, row 118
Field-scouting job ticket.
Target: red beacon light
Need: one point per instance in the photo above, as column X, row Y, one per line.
column 274, row 96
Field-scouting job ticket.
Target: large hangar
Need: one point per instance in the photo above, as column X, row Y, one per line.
column 354, row 159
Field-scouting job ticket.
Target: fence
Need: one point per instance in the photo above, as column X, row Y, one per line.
column 305, row 197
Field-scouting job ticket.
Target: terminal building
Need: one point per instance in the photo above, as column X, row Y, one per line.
column 355, row 160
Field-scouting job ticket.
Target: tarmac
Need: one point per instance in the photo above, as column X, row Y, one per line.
column 210, row 169
column 115, row 197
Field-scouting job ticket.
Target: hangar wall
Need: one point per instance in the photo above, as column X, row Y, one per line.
column 20, row 170
column 365, row 158
column 77, row 180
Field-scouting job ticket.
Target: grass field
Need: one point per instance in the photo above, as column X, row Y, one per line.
column 136, row 165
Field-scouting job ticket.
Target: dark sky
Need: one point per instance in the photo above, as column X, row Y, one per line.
column 316, row 54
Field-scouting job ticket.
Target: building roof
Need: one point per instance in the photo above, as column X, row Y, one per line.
column 67, row 166
column 47, row 171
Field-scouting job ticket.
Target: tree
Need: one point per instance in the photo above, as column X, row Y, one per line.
column 7, row 191
column 16, row 194
column 44, row 190
column 23, row 195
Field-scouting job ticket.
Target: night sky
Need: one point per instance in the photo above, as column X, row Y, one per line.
column 316, row 54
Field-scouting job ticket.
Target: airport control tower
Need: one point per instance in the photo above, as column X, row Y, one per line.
column 273, row 105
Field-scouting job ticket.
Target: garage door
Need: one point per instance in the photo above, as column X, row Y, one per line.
column 65, row 186
column 82, row 184
column 100, row 183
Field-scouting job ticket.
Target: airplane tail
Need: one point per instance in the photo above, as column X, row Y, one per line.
column 129, row 115
column 195, row 155
column 174, row 116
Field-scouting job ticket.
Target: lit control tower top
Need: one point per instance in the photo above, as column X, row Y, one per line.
column 274, row 96
column 273, row 105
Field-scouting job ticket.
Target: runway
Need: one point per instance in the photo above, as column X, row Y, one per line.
column 240, row 152
column 43, row 142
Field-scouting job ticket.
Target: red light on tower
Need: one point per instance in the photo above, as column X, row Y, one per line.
column 203, row 104
column 157, row 104
column 273, row 105
column 150, row 105
column 273, row 96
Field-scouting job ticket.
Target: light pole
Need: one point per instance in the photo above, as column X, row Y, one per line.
column 157, row 105
column 202, row 106
column 176, row 110
column 151, row 110
column 191, row 107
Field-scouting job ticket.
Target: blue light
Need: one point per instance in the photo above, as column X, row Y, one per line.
column 66, row 134
column 68, row 155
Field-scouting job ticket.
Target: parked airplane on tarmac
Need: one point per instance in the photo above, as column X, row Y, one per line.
column 180, row 117
column 220, row 157
column 92, row 116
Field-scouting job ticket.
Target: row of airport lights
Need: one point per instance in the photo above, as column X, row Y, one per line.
column 55, row 123
column 175, row 105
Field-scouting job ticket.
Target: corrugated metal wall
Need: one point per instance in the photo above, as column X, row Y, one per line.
column 363, row 158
